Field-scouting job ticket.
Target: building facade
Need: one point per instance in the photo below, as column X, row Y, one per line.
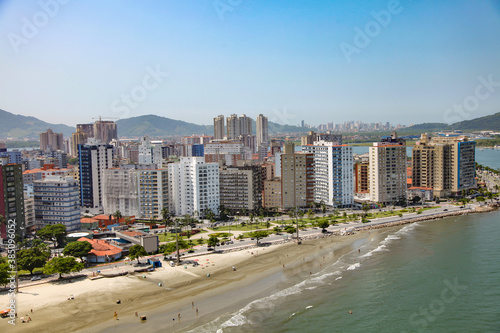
column 51, row 140
column 153, row 192
column 12, row 197
column 57, row 202
column 120, row 192
column 240, row 188
column 297, row 180
column 219, row 127
column 387, row 165
column 93, row 158
column 193, row 186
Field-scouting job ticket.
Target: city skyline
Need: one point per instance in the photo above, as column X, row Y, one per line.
column 401, row 62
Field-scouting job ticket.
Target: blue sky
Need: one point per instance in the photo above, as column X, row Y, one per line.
column 285, row 59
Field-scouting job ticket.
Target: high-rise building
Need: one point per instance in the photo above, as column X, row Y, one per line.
column 153, row 192
column 445, row 164
column 262, row 135
column 119, row 191
column 12, row 198
column 149, row 153
column 226, row 152
column 51, row 140
column 194, row 186
column 94, row 157
column 236, row 126
column 87, row 129
column 240, row 188
column 57, row 202
column 333, row 173
column 78, row 138
column 387, row 170
column 272, row 194
column 105, row 131
column 297, row 179
column 219, row 127
column 361, row 172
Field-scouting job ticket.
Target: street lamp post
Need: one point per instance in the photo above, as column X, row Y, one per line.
column 177, row 241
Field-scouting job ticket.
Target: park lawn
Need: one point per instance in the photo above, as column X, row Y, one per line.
column 247, row 227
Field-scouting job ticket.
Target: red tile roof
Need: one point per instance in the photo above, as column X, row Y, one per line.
column 101, row 248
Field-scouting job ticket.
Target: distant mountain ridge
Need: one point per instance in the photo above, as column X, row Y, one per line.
column 21, row 127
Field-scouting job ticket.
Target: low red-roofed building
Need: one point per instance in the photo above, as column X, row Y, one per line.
column 102, row 251
column 425, row 193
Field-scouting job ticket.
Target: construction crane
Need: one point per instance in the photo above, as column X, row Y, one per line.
column 100, row 118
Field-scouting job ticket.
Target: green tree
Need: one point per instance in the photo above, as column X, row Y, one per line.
column 290, row 229
column 258, row 235
column 78, row 249
column 277, row 230
column 62, row 265
column 168, row 248
column 73, row 161
column 212, row 241
column 54, row 233
column 33, row 257
column 480, row 199
column 4, row 271
column 136, row 252
column 117, row 215
column 323, row 225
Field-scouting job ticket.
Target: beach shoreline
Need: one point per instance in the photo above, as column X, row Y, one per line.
column 94, row 302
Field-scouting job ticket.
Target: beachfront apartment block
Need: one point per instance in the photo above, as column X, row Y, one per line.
column 57, row 201
column 11, row 196
column 445, row 164
column 387, row 170
column 240, row 188
column 297, row 180
column 93, row 158
column 193, row 186
column 272, row 194
column 333, row 173
column 153, row 192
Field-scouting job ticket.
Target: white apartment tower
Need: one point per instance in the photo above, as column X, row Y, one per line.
column 333, row 173
column 119, row 192
column 153, row 192
column 194, row 186
column 149, row 153
column 387, row 170
column 57, row 202
column 262, row 135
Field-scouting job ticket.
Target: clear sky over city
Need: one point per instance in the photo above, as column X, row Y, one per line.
column 320, row 61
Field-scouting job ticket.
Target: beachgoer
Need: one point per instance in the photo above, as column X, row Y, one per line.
column 196, row 312
column 179, row 316
column 136, row 314
column 115, row 316
column 31, row 310
column 192, row 305
column 350, row 312
column 29, row 319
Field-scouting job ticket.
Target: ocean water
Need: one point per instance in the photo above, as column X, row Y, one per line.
column 434, row 276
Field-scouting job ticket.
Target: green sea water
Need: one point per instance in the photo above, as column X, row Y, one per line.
column 434, row 276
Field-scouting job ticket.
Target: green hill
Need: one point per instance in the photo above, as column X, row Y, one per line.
column 487, row 123
column 18, row 126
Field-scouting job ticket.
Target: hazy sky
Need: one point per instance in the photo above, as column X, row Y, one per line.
column 322, row 61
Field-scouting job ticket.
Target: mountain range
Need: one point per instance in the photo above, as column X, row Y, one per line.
column 21, row 127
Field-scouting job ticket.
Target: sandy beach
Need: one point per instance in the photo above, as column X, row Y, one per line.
column 94, row 303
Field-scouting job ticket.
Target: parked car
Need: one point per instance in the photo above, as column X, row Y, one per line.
column 35, row 278
column 210, row 249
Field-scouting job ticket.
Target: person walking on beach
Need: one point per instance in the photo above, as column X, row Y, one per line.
column 192, row 305
column 179, row 317
column 115, row 316
column 196, row 312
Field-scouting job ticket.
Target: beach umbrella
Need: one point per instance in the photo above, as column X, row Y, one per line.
column 196, row 260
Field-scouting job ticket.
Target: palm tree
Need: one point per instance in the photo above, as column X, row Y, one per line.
column 117, row 215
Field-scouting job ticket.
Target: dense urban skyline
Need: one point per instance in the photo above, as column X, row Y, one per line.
column 401, row 62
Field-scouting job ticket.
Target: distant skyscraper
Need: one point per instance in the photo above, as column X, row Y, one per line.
column 236, row 126
column 78, row 138
column 51, row 140
column 105, row 131
column 245, row 125
column 262, row 135
column 219, row 127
